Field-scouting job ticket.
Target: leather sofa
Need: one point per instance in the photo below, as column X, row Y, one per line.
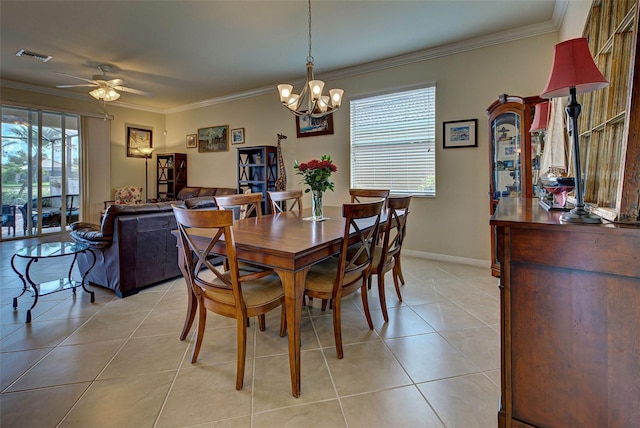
column 134, row 244
column 134, row 247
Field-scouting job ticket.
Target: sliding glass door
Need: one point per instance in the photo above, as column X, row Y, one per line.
column 40, row 172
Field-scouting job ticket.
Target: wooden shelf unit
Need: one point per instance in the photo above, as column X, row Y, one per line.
column 171, row 175
column 258, row 171
column 610, row 120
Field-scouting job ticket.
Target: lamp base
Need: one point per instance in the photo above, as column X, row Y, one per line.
column 580, row 216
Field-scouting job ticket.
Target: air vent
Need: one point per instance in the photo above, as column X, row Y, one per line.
column 39, row 57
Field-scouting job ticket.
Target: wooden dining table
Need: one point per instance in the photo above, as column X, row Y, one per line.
column 288, row 244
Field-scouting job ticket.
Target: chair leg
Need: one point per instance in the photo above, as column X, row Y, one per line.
column 396, row 274
column 283, row 321
column 399, row 266
column 337, row 328
column 202, row 321
column 242, row 352
column 262, row 323
column 324, row 305
column 365, row 304
column 383, row 299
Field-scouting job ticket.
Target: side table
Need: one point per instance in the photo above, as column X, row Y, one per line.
column 46, row 251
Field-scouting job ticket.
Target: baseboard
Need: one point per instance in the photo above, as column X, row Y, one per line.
column 447, row 258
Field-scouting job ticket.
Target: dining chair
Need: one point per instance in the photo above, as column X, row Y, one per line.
column 231, row 292
column 278, row 201
column 337, row 277
column 8, row 218
column 386, row 253
column 363, row 195
column 249, row 204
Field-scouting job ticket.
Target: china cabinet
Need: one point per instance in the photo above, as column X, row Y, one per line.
column 514, row 155
column 171, row 175
column 258, row 171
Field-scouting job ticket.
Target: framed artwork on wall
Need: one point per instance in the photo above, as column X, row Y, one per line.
column 192, row 141
column 307, row 126
column 237, row 136
column 213, row 139
column 460, row 133
column 138, row 138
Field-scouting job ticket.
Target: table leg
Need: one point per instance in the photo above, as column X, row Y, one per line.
column 34, row 286
column 93, row 297
column 24, row 283
column 293, row 284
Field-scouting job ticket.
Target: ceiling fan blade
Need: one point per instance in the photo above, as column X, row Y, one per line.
column 79, row 78
column 91, row 85
column 133, row 91
column 115, row 82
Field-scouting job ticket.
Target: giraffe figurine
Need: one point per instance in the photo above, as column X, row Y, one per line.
column 281, row 182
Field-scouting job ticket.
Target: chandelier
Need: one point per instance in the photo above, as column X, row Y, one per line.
column 104, row 92
column 317, row 105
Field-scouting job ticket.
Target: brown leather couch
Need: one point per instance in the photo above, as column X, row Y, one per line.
column 134, row 247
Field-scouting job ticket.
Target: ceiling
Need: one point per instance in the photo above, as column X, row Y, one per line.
column 190, row 52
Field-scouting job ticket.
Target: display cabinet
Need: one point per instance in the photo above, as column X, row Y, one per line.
column 514, row 156
column 258, row 171
column 610, row 120
column 171, row 175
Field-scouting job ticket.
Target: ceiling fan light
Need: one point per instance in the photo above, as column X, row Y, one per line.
column 97, row 93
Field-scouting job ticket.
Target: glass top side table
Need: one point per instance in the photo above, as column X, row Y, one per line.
column 49, row 250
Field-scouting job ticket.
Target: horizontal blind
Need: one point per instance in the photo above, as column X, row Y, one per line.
column 393, row 142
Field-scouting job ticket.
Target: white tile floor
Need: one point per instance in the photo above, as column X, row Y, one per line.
column 120, row 363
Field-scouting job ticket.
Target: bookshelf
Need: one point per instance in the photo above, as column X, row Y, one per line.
column 258, row 171
column 171, row 175
column 610, row 118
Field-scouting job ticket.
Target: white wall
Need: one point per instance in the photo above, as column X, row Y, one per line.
column 456, row 221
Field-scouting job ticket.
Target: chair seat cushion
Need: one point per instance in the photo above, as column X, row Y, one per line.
column 256, row 293
column 322, row 276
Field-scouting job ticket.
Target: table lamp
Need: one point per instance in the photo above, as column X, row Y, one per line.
column 574, row 72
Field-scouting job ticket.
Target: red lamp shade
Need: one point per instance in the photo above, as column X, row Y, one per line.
column 540, row 117
column 573, row 66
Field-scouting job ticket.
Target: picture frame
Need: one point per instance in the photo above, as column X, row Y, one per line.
column 460, row 133
column 237, row 136
column 192, row 141
column 307, row 126
column 138, row 138
column 213, row 139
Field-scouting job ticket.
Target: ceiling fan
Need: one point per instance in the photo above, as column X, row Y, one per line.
column 105, row 89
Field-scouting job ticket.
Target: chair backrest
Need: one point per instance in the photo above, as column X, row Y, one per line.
column 355, row 258
column 201, row 272
column 364, row 195
column 127, row 195
column 250, row 203
column 278, row 200
column 396, row 226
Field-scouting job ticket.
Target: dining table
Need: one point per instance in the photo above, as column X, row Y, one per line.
column 290, row 244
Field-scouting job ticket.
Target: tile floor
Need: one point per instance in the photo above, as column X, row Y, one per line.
column 120, row 363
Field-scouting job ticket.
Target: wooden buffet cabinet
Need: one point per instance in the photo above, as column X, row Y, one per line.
column 570, row 320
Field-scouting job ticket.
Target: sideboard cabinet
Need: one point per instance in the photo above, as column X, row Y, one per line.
column 569, row 317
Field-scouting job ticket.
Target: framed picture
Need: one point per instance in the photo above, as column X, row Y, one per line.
column 138, row 138
column 192, row 141
column 213, row 139
column 307, row 126
column 460, row 133
column 237, row 136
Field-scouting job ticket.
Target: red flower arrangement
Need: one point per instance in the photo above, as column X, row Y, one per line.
column 317, row 173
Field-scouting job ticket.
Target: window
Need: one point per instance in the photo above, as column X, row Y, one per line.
column 393, row 141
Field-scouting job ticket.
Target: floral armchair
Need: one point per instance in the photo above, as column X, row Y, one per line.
column 125, row 195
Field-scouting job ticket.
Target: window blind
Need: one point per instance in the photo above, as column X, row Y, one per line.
column 393, row 142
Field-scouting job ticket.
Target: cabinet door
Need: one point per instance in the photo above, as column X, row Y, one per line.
column 507, row 171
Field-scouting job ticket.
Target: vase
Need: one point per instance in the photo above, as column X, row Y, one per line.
column 316, row 205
